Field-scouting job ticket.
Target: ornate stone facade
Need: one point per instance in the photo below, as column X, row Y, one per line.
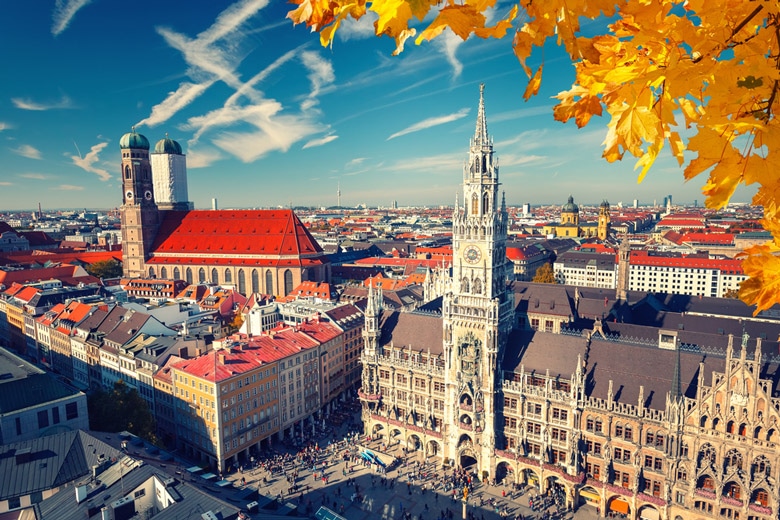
column 636, row 420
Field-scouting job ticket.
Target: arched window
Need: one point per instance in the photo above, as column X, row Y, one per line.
column 255, row 281
column 599, row 426
column 732, row 490
column 703, row 421
column 163, row 273
column 228, row 276
column 288, row 282
column 477, row 286
column 269, row 282
column 127, row 172
column 201, row 275
column 757, row 432
column 761, row 467
column 214, row 275
column 649, row 437
column 715, row 423
column 176, row 273
column 151, row 272
column 241, row 282
column 730, row 427
column 485, row 204
column 474, row 204
column 760, row 497
column 188, row 275
column 733, row 458
column 771, row 435
column 742, row 430
column 682, row 474
column 706, row 456
column 464, row 285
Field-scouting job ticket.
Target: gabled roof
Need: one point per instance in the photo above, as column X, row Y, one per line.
column 243, row 237
column 54, row 461
column 421, row 331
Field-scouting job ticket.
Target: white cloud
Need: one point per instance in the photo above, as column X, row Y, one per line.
column 29, row 104
column 273, row 132
column 5, row 126
column 431, row 122
column 202, row 158
column 434, row 163
column 28, row 151
column 89, row 161
column 320, row 141
column 357, row 161
column 180, row 98
column 448, row 43
column 64, row 11
column 320, row 73
column 36, row 176
column 351, row 29
column 68, row 187
column 6, row 183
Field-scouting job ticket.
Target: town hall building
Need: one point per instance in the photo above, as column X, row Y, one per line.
column 628, row 403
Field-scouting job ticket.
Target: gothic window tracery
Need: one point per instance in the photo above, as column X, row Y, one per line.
column 485, row 204
column 707, row 456
column 477, row 286
column 464, row 285
column 474, row 204
column 733, row 458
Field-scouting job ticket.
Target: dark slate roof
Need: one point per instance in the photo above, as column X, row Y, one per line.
column 26, row 386
column 54, row 461
column 542, row 298
column 537, row 351
column 190, row 502
column 423, row 331
column 579, row 259
column 632, row 366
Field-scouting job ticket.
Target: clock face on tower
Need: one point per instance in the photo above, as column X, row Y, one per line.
column 148, row 195
column 472, row 254
column 129, row 195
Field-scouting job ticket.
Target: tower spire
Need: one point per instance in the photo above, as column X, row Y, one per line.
column 481, row 133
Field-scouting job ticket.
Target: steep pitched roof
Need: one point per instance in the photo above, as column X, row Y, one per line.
column 418, row 330
column 235, row 237
column 54, row 461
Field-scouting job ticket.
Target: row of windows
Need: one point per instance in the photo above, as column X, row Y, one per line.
column 227, row 277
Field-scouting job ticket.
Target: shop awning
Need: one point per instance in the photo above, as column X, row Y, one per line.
column 619, row 506
column 224, row 483
column 208, row 476
column 194, row 469
column 590, row 495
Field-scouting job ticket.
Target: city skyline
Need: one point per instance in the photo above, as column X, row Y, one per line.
column 259, row 106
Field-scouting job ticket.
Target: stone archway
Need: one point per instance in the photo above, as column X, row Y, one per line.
column 467, row 459
column 432, row 449
column 505, row 473
column 413, row 443
column 377, row 431
column 619, row 506
column 556, row 488
column 530, row 478
column 648, row 512
column 589, row 496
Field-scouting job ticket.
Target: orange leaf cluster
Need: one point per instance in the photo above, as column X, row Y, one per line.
column 714, row 64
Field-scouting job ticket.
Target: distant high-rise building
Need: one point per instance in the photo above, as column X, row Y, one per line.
column 669, row 199
column 636, row 203
column 527, row 208
column 214, row 204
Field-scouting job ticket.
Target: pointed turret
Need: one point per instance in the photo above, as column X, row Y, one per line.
column 481, row 132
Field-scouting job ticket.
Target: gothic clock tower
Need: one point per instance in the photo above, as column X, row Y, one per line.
column 140, row 217
column 477, row 309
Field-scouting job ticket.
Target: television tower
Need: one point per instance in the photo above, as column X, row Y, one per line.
column 338, row 194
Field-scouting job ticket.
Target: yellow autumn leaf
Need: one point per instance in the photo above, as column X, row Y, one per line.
column 533, row 85
column 462, row 19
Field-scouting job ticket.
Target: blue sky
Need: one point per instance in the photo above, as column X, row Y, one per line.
column 268, row 117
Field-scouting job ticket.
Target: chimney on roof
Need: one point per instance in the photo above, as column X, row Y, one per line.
column 221, row 358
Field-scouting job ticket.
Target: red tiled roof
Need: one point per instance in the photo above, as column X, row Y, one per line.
column 729, row 265
column 86, row 257
column 683, row 223
column 235, row 237
column 35, row 275
column 709, row 238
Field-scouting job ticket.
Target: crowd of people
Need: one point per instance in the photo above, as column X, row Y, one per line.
column 335, row 474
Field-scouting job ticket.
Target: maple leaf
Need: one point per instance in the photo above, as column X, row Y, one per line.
column 533, row 84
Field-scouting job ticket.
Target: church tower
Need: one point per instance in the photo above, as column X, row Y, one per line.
column 603, row 224
column 477, row 308
column 169, row 175
column 139, row 212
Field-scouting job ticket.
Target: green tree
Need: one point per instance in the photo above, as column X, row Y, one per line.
column 121, row 409
column 105, row 269
column 545, row 274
